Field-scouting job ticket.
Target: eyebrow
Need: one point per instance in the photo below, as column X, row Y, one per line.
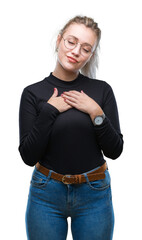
column 78, row 39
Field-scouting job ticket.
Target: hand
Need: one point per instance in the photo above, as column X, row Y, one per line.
column 58, row 102
column 82, row 102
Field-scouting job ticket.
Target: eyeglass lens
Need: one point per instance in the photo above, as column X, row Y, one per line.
column 71, row 43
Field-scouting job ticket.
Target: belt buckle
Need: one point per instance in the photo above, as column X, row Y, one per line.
column 63, row 179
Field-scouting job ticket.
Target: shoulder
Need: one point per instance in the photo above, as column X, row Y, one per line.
column 98, row 83
column 32, row 91
column 36, row 85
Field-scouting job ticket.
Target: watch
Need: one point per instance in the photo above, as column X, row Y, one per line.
column 98, row 120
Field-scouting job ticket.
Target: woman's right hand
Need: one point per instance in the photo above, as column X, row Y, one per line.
column 58, row 102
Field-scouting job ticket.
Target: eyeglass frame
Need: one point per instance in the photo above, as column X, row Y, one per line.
column 80, row 45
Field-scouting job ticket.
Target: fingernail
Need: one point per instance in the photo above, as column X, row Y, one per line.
column 54, row 89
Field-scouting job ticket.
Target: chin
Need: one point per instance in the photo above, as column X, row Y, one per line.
column 70, row 68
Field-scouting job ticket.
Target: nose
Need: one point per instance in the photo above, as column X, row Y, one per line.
column 76, row 50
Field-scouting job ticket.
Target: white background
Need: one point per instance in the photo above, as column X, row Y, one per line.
column 28, row 32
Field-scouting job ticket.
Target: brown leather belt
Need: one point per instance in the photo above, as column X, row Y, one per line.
column 74, row 179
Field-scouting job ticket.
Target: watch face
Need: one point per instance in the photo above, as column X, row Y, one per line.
column 98, row 120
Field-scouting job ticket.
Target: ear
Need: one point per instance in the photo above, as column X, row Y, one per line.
column 58, row 41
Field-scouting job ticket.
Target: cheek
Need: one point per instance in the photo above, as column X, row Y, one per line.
column 59, row 57
column 62, row 59
column 84, row 62
column 61, row 54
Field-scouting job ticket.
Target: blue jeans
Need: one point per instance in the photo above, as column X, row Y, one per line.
column 51, row 202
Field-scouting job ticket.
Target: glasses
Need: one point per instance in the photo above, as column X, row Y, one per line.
column 71, row 42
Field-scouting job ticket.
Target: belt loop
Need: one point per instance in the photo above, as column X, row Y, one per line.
column 85, row 175
column 79, row 178
column 49, row 175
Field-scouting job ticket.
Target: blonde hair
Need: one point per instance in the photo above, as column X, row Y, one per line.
column 90, row 67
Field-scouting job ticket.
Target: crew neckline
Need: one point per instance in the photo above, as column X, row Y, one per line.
column 62, row 83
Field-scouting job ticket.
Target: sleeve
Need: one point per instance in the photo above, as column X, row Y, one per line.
column 108, row 134
column 34, row 127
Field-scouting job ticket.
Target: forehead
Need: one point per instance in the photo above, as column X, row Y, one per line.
column 82, row 33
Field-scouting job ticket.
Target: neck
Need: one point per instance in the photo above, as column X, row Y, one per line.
column 63, row 74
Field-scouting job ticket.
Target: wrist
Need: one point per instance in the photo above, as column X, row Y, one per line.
column 94, row 114
column 98, row 120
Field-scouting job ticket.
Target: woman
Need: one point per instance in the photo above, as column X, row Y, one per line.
column 65, row 134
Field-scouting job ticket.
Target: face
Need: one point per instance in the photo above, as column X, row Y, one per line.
column 74, row 59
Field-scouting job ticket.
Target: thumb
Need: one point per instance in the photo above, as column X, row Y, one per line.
column 55, row 93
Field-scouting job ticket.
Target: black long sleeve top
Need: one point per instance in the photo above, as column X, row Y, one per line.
column 68, row 142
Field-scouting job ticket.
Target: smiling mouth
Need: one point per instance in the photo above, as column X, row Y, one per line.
column 72, row 59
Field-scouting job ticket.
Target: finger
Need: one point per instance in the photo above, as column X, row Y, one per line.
column 69, row 106
column 74, row 92
column 55, row 93
column 68, row 94
column 70, row 102
column 72, row 99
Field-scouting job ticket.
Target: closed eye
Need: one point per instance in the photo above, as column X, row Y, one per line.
column 85, row 50
column 70, row 42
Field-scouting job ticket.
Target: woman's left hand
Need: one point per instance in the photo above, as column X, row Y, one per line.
column 82, row 102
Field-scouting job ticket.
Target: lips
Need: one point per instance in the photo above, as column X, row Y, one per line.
column 71, row 59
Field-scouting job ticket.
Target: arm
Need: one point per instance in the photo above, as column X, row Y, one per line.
column 108, row 134
column 34, row 128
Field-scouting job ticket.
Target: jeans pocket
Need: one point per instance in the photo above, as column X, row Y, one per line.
column 101, row 184
column 39, row 180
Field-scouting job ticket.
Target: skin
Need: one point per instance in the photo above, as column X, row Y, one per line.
column 67, row 70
